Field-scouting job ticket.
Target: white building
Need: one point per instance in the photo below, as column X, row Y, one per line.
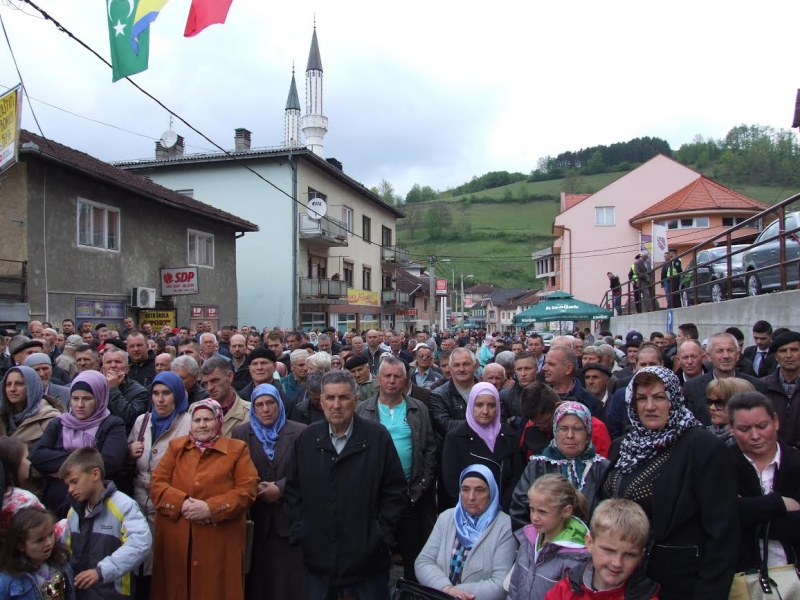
column 299, row 270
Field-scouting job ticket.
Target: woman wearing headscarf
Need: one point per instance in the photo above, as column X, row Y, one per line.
column 486, row 353
column 202, row 489
column 471, row 549
column 147, row 443
column 88, row 424
column 683, row 478
column 571, row 453
column 482, row 439
column 25, row 412
column 277, row 569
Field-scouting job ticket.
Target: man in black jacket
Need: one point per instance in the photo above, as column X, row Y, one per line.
column 126, row 398
column 448, row 403
column 783, row 385
column 142, row 361
column 763, row 360
column 345, row 496
column 723, row 350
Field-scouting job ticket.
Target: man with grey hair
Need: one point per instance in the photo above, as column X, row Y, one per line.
column 163, row 362
column 324, row 343
column 294, row 381
column 127, row 399
column 506, row 360
column 188, row 370
column 344, row 497
column 67, row 359
column 309, row 410
column 409, row 424
column 559, row 374
column 218, row 380
column 209, row 347
column 496, row 375
column 723, row 352
column 40, row 363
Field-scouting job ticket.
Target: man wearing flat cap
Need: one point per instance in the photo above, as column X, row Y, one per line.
column 21, row 347
column 596, row 376
column 42, row 364
column 783, row 385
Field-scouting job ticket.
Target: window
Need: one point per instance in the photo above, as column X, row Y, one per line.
column 386, row 236
column 604, row 216
column 696, row 223
column 348, row 274
column 386, row 281
column 313, row 321
column 347, row 218
column 366, row 278
column 189, row 193
column 201, row 249
column 366, row 227
column 731, row 221
column 98, row 225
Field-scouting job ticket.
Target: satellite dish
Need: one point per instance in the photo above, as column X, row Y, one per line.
column 168, row 139
column 317, row 208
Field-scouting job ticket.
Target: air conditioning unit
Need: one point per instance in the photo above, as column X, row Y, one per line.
column 142, row 297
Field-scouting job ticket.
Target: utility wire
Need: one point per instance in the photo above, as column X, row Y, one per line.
column 19, row 74
column 227, row 153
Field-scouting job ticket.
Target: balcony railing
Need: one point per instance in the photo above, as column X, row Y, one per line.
column 14, row 280
column 395, row 254
column 322, row 288
column 394, row 298
column 325, row 230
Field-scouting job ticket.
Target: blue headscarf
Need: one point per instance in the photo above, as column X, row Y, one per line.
column 469, row 528
column 267, row 434
column 175, row 384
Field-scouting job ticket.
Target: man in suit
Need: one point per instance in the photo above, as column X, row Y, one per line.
column 763, row 360
column 723, row 351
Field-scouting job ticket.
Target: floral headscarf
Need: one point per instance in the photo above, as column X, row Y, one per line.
column 642, row 444
column 488, row 433
column 575, row 468
column 216, row 410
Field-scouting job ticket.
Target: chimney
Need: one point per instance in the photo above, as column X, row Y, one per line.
column 335, row 163
column 177, row 149
column 161, row 152
column 242, row 139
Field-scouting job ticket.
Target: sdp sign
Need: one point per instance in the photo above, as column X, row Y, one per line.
column 179, row 282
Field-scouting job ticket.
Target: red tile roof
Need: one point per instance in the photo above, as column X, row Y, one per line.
column 703, row 194
column 96, row 168
column 571, row 200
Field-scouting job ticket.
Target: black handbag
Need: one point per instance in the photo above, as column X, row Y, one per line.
column 408, row 590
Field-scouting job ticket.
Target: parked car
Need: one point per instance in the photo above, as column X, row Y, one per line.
column 709, row 273
column 768, row 255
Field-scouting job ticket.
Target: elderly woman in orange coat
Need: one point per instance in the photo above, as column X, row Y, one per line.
column 202, row 489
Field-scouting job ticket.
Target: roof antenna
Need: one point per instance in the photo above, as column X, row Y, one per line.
column 315, row 20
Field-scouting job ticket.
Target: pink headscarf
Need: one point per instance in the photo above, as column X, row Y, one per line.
column 216, row 410
column 488, row 433
column 76, row 434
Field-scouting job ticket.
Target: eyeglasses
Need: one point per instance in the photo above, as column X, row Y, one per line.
column 564, row 430
column 716, row 404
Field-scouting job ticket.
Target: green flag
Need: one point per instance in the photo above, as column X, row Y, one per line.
column 124, row 60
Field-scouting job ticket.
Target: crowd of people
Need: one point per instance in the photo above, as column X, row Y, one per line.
column 288, row 464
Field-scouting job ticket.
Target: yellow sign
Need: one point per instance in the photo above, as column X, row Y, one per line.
column 363, row 297
column 157, row 318
column 9, row 127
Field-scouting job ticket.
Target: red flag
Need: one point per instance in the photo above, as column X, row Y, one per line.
column 204, row 13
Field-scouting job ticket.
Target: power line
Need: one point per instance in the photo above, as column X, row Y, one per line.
column 235, row 158
column 19, row 74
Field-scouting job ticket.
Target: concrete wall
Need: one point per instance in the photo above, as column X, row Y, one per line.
column 781, row 309
column 152, row 237
column 265, row 262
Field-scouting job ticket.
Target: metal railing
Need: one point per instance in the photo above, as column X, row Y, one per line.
column 395, row 254
column 394, row 298
column 14, row 280
column 322, row 288
column 327, row 226
column 786, row 262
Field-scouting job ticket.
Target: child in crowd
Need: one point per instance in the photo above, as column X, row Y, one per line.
column 33, row 563
column 553, row 542
column 15, row 470
column 617, row 539
column 107, row 532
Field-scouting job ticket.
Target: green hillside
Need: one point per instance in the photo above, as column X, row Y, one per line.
column 498, row 237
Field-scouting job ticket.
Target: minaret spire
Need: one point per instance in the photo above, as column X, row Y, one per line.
column 314, row 123
column 291, row 119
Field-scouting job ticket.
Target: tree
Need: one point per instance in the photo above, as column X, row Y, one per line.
column 572, row 183
column 595, row 164
column 437, row 219
column 414, row 195
column 385, row 191
column 413, row 219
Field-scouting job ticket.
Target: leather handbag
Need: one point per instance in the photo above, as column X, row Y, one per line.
column 767, row 583
column 408, row 590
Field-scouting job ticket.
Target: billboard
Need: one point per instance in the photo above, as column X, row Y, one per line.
column 441, row 287
column 179, row 282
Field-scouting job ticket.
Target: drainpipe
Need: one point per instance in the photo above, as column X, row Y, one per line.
column 569, row 253
column 295, row 237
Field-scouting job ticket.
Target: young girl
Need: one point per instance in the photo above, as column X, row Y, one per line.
column 34, row 565
column 553, row 542
column 15, row 470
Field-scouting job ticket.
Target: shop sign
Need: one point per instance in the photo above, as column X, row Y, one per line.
column 179, row 282
column 158, row 318
column 441, row 287
column 362, row 297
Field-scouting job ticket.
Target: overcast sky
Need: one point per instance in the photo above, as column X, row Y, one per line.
column 432, row 92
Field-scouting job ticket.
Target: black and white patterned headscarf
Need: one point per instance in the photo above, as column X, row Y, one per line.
column 641, row 444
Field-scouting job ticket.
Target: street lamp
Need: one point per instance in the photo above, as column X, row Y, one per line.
column 462, row 294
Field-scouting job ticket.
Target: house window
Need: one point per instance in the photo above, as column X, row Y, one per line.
column 386, row 236
column 189, row 193
column 347, row 218
column 731, row 221
column 98, row 225
column 386, row 281
column 366, row 278
column 696, row 223
column 604, row 216
column 201, row 249
column 348, row 274
column 366, row 228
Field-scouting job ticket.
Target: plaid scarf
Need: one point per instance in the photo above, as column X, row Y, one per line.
column 790, row 387
column 457, row 559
